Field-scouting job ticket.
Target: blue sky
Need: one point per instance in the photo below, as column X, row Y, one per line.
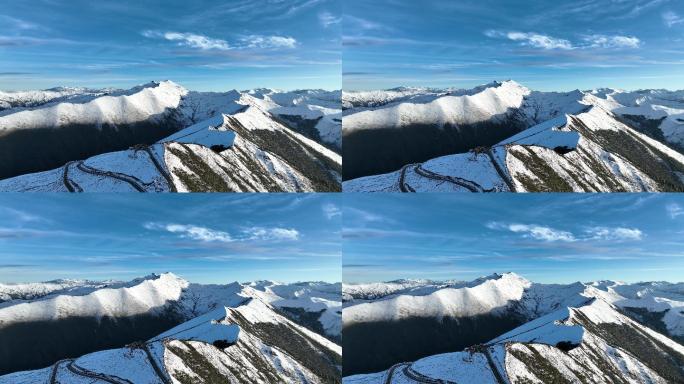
column 217, row 238
column 543, row 44
column 551, row 238
column 201, row 44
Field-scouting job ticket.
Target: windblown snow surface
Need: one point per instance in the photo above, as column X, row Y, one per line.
column 580, row 141
column 578, row 333
column 233, row 141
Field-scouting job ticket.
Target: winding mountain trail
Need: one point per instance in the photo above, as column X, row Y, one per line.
column 492, row 365
column 162, row 171
column 402, row 180
column 70, row 185
column 75, row 369
column 467, row 184
column 155, row 365
column 503, row 175
column 136, row 183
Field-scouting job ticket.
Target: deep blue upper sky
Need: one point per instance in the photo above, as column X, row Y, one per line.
column 201, row 44
column 552, row 238
column 216, row 238
column 543, row 44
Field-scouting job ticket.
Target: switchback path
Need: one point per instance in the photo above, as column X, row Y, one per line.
column 157, row 369
column 75, row 369
column 390, row 372
column 132, row 180
column 402, row 180
column 503, row 175
column 467, row 184
column 162, row 171
column 55, row 368
column 494, row 368
column 70, row 185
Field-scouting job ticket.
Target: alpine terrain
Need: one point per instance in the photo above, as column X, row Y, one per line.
column 160, row 137
column 162, row 329
column 503, row 136
column 505, row 329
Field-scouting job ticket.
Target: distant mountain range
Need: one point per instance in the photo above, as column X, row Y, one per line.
column 162, row 329
column 506, row 329
column 504, row 137
column 161, row 137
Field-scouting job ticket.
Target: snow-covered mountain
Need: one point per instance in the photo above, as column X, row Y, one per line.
column 505, row 137
column 44, row 322
column 592, row 343
column 162, row 137
column 244, row 343
column 531, row 330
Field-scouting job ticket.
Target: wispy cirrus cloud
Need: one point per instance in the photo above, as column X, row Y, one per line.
column 193, row 232
column 327, row 19
column 277, row 233
column 331, row 211
column 191, row 40
column 674, row 210
column 206, row 43
column 546, row 42
column 671, row 18
column 615, row 41
column 205, row 234
column 549, row 234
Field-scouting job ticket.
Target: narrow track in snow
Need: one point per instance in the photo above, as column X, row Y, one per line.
column 55, row 369
column 503, row 175
column 420, row 378
column 402, row 180
column 492, row 365
column 157, row 369
column 165, row 174
column 467, row 184
column 390, row 372
column 136, row 183
column 70, row 185
column 75, row 369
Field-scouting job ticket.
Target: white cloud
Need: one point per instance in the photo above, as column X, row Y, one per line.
column 259, row 41
column 261, row 233
column 544, row 233
column 675, row 210
column 670, row 18
column 616, row 233
column 331, row 211
column 532, row 39
column 190, row 40
column 616, row 41
column 538, row 40
column 192, row 232
column 327, row 19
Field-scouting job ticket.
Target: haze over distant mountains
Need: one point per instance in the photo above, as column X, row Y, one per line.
column 503, row 136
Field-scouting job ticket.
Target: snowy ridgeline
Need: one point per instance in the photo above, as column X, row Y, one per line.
column 584, row 336
column 397, row 300
column 245, row 343
column 156, row 293
column 504, row 137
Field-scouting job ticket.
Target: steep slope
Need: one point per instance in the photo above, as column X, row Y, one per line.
column 48, row 320
column 245, row 343
column 592, row 343
column 577, row 141
column 244, row 152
